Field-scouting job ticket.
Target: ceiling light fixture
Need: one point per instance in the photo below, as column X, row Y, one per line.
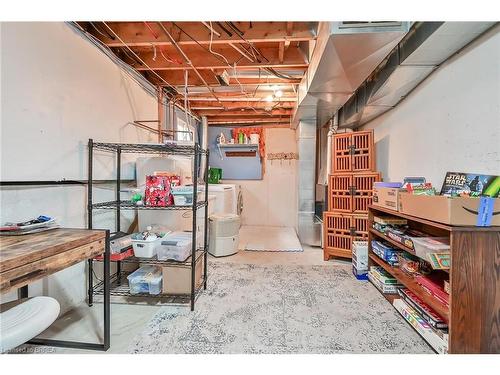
column 269, row 98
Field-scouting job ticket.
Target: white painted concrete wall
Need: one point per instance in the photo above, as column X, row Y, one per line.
column 273, row 200
column 451, row 122
column 58, row 90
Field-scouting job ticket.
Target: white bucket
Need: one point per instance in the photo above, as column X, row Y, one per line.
column 254, row 139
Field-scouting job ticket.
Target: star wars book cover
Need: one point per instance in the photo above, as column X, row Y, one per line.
column 457, row 184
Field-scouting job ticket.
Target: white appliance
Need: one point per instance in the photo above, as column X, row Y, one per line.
column 224, row 234
column 228, row 198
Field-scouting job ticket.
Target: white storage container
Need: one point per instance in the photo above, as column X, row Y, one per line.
column 427, row 245
column 183, row 195
column 116, row 245
column 145, row 248
column 175, row 246
column 360, row 255
column 146, row 279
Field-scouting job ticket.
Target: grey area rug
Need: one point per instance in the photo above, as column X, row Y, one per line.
column 281, row 309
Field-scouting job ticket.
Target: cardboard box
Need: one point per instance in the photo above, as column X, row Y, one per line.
column 446, row 210
column 177, row 280
column 386, row 197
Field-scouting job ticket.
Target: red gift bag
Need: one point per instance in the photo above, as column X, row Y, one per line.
column 158, row 191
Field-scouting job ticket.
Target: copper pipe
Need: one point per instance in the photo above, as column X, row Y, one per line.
column 188, row 61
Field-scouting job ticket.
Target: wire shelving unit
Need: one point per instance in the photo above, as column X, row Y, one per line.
column 119, row 284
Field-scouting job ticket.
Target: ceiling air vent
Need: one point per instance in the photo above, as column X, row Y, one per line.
column 352, row 27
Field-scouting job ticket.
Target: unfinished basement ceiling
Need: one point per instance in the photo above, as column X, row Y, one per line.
column 234, row 72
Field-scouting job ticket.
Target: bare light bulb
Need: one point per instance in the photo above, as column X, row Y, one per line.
column 278, row 94
column 269, row 98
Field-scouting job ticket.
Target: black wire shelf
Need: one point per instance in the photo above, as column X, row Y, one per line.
column 119, row 283
column 169, row 149
column 119, row 287
column 128, row 205
column 156, row 262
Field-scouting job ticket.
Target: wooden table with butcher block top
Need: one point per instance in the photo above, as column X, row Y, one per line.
column 27, row 258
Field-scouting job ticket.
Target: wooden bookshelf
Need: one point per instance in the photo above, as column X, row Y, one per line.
column 411, row 284
column 473, row 316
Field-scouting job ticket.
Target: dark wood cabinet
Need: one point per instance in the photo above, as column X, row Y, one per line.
column 473, row 315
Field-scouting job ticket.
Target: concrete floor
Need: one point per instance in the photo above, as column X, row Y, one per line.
column 85, row 323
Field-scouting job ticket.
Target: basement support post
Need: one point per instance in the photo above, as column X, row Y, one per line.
column 161, row 114
column 332, row 129
column 204, row 140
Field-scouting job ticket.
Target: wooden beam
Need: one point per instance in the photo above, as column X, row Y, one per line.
column 239, row 97
column 242, row 52
column 176, row 78
column 266, row 120
column 158, row 58
column 289, row 28
column 212, row 105
column 137, row 34
column 251, row 87
column 244, row 112
column 281, row 52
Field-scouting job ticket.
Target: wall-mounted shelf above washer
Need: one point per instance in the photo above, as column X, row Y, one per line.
column 239, row 145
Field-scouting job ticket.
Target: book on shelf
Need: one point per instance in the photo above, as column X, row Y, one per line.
column 389, row 220
column 434, row 285
column 436, row 339
column 386, row 252
column 404, row 235
column 383, row 288
column 383, row 276
column 423, row 309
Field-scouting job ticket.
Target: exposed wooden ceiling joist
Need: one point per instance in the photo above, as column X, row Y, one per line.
column 203, row 105
column 243, row 121
column 245, row 112
column 247, row 74
column 157, row 60
column 176, row 78
column 137, row 34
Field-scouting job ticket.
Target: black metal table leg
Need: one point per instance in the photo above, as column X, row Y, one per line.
column 107, row 315
column 107, row 295
column 23, row 292
column 90, row 300
column 205, row 234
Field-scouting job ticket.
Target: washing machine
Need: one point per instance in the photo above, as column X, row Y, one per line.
column 229, row 199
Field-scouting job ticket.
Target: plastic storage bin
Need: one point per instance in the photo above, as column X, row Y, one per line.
column 118, row 244
column 146, row 248
column 183, row 195
column 175, row 246
column 146, row 279
column 427, row 245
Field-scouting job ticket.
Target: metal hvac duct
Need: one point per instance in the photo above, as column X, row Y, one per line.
column 345, row 54
column 420, row 52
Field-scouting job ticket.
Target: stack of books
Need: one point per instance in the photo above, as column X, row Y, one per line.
column 424, row 310
column 383, row 281
column 383, row 223
column 436, row 338
column 434, row 285
column 386, row 252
